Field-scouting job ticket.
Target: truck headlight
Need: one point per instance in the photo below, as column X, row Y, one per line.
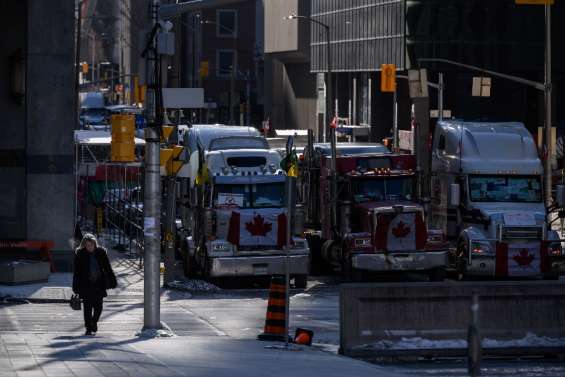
column 481, row 247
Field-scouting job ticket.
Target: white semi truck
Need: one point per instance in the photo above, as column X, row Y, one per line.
column 236, row 208
column 487, row 195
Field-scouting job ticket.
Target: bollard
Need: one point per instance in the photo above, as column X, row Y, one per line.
column 474, row 340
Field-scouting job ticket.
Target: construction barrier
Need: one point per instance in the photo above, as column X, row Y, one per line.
column 432, row 319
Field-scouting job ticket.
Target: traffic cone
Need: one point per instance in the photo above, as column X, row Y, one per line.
column 275, row 322
column 303, row 336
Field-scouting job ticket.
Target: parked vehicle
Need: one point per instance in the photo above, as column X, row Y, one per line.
column 236, row 210
column 93, row 110
column 379, row 226
column 487, row 195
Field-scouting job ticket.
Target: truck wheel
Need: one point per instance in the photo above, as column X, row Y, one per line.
column 437, row 274
column 300, row 281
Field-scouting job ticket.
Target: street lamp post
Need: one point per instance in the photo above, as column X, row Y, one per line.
column 330, row 117
column 548, row 113
column 233, row 72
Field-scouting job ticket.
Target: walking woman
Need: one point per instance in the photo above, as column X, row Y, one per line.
column 92, row 276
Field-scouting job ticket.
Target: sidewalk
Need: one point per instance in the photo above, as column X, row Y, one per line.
column 29, row 348
column 40, row 355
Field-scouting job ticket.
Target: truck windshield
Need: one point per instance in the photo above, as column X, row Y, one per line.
column 250, row 196
column 394, row 188
column 499, row 188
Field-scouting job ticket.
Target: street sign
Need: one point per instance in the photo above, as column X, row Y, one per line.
column 435, row 114
column 534, row 2
column 388, row 78
column 481, row 86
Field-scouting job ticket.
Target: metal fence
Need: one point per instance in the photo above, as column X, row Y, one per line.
column 123, row 207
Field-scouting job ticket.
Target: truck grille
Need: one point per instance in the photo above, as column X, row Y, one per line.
column 257, row 248
column 522, row 232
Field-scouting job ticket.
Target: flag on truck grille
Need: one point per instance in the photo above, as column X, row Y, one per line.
column 520, row 259
column 400, row 232
column 258, row 227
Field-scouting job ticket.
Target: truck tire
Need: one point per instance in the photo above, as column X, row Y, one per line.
column 437, row 274
column 300, row 281
column 317, row 264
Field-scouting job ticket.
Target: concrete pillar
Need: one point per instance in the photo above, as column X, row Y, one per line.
column 49, row 136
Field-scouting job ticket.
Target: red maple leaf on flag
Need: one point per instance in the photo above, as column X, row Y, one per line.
column 523, row 258
column 401, row 230
column 258, row 227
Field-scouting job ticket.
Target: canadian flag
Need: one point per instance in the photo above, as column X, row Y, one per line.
column 400, row 232
column 254, row 227
column 519, row 259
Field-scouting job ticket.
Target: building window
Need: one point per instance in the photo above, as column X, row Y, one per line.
column 226, row 23
column 225, row 60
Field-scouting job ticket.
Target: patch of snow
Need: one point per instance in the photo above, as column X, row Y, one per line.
column 164, row 332
column 530, row 340
column 193, row 285
column 300, row 295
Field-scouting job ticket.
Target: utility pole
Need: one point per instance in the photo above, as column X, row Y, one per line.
column 548, row 112
column 152, row 201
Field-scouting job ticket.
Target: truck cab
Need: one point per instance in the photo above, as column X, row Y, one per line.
column 237, row 210
column 380, row 225
column 487, row 195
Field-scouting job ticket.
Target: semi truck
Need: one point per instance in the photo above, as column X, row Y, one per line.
column 379, row 224
column 236, row 212
column 487, row 196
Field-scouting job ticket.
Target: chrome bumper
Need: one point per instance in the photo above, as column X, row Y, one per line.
column 259, row 265
column 416, row 261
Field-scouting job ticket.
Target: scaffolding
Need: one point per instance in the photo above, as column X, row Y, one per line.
column 109, row 195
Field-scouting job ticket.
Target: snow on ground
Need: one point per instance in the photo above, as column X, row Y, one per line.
column 193, row 285
column 530, row 340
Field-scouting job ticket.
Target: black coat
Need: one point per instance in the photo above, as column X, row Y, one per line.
column 81, row 282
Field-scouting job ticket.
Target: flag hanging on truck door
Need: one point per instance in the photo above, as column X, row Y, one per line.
column 258, row 227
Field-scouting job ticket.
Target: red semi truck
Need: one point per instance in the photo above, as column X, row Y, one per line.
column 379, row 225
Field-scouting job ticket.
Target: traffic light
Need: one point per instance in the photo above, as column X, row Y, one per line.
column 388, row 78
column 204, row 69
column 84, row 67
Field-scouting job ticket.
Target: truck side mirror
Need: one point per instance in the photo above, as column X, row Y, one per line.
column 455, row 195
column 560, row 195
